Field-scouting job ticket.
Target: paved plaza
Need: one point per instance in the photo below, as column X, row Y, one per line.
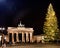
column 34, row 46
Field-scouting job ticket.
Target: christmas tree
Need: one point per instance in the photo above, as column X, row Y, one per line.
column 50, row 27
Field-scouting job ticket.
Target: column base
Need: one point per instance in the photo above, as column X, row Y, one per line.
column 13, row 42
column 23, row 41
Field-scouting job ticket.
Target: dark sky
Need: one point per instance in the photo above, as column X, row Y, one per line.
column 31, row 12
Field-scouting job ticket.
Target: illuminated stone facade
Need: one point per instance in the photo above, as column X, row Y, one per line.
column 21, row 30
column 26, row 35
column 39, row 38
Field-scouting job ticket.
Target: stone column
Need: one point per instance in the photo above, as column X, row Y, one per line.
column 23, row 39
column 27, row 39
column 2, row 38
column 7, row 37
column 31, row 37
column 17, row 37
column 42, row 39
column 13, row 38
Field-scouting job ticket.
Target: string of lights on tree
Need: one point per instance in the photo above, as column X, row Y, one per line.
column 50, row 27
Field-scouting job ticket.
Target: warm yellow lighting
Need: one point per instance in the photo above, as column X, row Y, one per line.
column 50, row 27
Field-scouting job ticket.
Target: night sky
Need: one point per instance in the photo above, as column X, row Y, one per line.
column 32, row 13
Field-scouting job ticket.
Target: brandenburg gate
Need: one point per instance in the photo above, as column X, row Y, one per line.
column 20, row 30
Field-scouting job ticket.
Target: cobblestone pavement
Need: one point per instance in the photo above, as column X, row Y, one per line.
column 35, row 46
